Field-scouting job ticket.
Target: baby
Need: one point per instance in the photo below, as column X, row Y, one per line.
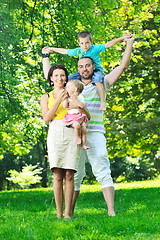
column 74, row 117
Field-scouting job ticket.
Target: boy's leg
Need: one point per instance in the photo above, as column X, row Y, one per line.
column 101, row 93
column 77, row 129
column 74, row 76
column 98, row 78
column 83, row 136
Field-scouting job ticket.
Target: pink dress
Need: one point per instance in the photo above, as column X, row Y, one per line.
column 74, row 115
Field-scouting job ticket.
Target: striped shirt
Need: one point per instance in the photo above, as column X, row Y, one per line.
column 92, row 102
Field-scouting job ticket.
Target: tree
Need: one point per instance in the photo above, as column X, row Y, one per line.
column 131, row 118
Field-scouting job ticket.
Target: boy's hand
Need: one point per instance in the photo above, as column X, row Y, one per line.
column 127, row 36
column 129, row 40
column 47, row 50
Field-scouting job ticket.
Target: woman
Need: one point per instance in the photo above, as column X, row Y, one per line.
column 63, row 151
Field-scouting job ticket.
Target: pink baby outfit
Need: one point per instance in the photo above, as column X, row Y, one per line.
column 73, row 115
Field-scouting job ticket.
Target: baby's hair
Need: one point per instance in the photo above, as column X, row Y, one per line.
column 85, row 34
column 78, row 84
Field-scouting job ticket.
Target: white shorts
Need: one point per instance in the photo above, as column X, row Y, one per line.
column 98, row 158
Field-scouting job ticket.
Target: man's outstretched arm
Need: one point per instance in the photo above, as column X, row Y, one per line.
column 46, row 63
column 113, row 76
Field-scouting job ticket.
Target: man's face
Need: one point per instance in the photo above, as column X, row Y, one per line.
column 85, row 68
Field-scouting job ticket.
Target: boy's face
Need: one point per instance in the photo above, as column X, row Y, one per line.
column 85, row 43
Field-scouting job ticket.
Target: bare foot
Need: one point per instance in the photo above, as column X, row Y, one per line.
column 79, row 141
column 67, row 218
column 111, row 214
column 85, row 147
column 102, row 106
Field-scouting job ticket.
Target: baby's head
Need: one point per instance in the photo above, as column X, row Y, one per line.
column 85, row 40
column 74, row 87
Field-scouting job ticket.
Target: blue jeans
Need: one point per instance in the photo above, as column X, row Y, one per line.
column 98, row 76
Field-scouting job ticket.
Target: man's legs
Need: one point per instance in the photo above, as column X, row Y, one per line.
column 78, row 178
column 98, row 158
column 108, row 194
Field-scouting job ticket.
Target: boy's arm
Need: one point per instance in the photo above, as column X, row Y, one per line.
column 59, row 50
column 117, row 40
column 113, row 76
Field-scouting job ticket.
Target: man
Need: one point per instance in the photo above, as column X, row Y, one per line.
column 97, row 154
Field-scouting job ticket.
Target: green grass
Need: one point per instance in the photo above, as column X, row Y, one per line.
column 31, row 214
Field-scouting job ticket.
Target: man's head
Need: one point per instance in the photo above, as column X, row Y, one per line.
column 86, row 68
column 85, row 40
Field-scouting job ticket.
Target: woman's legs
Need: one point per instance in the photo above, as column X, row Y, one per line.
column 69, row 189
column 58, row 190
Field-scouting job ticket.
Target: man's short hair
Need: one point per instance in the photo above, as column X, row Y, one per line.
column 85, row 34
column 89, row 58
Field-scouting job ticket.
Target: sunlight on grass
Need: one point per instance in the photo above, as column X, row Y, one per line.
column 31, row 214
column 138, row 184
column 137, row 207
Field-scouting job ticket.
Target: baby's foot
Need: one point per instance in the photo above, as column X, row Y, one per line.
column 79, row 141
column 85, row 147
column 102, row 106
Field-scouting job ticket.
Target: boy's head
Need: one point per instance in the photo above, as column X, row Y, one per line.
column 85, row 40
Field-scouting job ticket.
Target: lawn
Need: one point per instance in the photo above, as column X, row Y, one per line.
column 31, row 214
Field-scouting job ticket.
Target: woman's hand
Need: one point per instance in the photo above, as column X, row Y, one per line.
column 62, row 95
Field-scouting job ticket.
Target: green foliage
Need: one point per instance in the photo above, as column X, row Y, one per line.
column 132, row 117
column 26, row 213
column 28, row 176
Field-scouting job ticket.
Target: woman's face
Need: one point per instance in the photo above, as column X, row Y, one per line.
column 58, row 77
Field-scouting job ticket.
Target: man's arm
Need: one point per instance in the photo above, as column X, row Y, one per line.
column 46, row 63
column 117, row 40
column 113, row 76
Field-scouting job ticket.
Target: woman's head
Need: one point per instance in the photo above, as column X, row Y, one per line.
column 53, row 70
column 74, row 86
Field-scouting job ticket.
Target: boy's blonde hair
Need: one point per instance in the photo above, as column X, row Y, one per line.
column 78, row 84
column 85, row 34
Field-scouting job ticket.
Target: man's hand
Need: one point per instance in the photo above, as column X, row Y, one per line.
column 47, row 50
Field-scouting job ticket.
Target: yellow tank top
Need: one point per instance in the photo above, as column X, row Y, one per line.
column 61, row 111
